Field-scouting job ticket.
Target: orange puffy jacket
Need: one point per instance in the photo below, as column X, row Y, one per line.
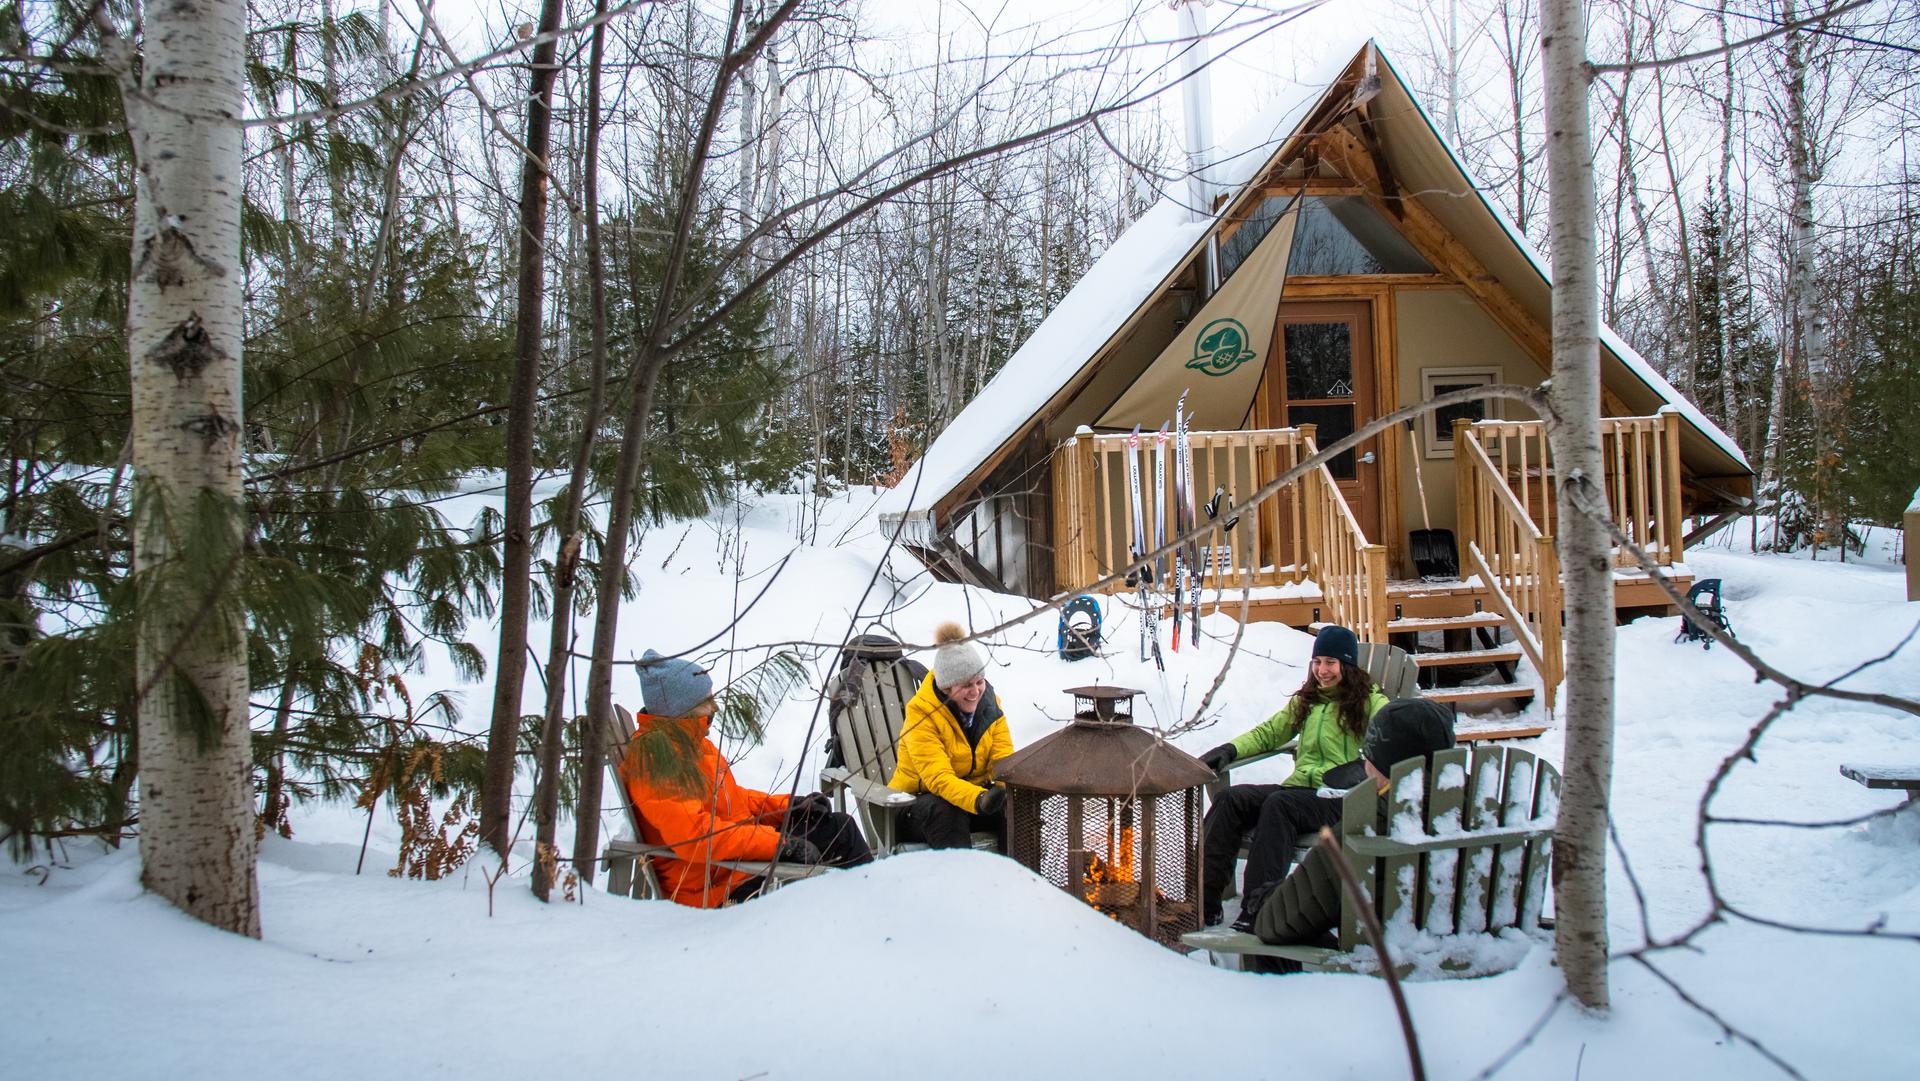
column 707, row 818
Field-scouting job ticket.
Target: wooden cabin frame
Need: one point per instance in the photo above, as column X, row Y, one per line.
column 1046, row 510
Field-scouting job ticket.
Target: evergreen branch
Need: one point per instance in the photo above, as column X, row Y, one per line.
column 381, row 444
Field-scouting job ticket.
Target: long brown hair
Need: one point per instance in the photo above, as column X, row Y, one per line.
column 1351, row 693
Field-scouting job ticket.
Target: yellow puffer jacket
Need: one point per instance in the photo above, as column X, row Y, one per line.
column 935, row 754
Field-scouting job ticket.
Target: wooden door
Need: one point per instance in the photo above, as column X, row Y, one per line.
column 1324, row 377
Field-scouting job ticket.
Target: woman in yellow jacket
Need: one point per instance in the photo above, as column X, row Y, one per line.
column 953, row 733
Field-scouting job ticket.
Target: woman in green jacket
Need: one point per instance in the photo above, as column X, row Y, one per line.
column 1329, row 715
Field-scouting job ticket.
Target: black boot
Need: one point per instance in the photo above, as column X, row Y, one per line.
column 1250, row 910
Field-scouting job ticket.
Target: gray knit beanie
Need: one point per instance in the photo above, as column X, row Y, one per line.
column 672, row 686
column 956, row 660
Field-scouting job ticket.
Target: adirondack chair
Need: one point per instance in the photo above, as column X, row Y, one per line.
column 629, row 860
column 1393, row 672
column 869, row 702
column 1466, row 853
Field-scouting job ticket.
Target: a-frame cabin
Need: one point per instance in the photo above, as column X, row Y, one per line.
column 1347, row 266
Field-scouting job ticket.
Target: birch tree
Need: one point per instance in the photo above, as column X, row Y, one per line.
column 1580, row 841
column 184, row 335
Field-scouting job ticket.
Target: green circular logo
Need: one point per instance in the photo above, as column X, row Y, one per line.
column 1220, row 347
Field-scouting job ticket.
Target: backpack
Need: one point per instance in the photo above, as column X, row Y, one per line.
column 1079, row 628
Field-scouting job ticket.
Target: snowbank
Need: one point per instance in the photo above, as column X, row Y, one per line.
column 962, row 965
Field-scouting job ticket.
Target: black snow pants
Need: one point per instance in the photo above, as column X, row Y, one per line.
column 834, row 833
column 1278, row 817
column 934, row 822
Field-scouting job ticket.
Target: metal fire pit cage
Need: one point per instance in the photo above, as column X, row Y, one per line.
column 1111, row 814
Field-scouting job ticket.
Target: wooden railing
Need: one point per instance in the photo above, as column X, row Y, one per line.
column 1305, row 531
column 1511, row 555
column 1641, row 457
column 1350, row 570
column 1093, row 506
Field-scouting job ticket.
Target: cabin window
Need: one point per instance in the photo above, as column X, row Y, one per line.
column 1439, row 423
column 1343, row 235
column 1235, row 249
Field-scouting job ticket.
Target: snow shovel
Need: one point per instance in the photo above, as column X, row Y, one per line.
column 1433, row 550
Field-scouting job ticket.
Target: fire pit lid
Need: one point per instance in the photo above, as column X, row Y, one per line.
column 1102, row 760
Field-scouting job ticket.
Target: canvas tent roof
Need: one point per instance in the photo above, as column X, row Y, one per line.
column 1140, row 264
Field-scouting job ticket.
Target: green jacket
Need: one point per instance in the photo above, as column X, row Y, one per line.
column 1323, row 743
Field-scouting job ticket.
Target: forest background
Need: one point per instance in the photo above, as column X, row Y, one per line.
column 783, row 267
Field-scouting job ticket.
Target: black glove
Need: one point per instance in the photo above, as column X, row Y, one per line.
column 798, row 850
column 1219, row 758
column 991, row 801
column 813, row 805
column 1345, row 775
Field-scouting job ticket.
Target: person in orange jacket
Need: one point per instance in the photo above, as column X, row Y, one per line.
column 703, row 814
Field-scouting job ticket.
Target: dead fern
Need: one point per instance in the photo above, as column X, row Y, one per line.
column 899, row 449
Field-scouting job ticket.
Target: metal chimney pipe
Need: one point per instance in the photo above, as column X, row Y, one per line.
column 1197, row 96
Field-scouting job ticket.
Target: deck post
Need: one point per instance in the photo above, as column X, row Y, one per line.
column 1089, row 519
column 1465, row 500
column 1552, row 614
column 1378, row 605
column 1672, row 531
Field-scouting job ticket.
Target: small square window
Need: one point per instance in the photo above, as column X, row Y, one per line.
column 1437, row 426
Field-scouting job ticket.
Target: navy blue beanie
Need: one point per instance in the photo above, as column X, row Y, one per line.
column 1338, row 643
column 671, row 686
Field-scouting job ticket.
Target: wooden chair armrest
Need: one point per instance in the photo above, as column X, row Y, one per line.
column 875, row 794
column 628, row 848
column 1219, row 785
column 777, row 870
column 1224, row 940
column 781, row 871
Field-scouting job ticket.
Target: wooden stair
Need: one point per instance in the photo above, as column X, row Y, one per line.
column 1468, row 696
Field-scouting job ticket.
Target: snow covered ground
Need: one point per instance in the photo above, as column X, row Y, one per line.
column 963, row 965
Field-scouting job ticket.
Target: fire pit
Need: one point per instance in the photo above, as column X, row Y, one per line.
column 1111, row 814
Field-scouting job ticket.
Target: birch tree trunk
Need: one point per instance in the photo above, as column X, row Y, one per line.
column 1580, row 841
column 516, row 556
column 184, row 335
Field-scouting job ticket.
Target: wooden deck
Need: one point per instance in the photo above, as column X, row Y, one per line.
column 1412, row 601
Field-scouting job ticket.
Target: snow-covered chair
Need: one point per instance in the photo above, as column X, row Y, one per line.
column 629, row 860
column 867, row 703
column 1463, row 858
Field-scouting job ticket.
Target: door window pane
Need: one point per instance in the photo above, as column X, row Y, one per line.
column 1319, row 360
column 1336, row 423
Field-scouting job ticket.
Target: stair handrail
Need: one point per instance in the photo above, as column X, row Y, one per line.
column 1350, row 570
column 1514, row 559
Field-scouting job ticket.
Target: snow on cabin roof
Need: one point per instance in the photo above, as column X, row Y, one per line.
column 1123, row 279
